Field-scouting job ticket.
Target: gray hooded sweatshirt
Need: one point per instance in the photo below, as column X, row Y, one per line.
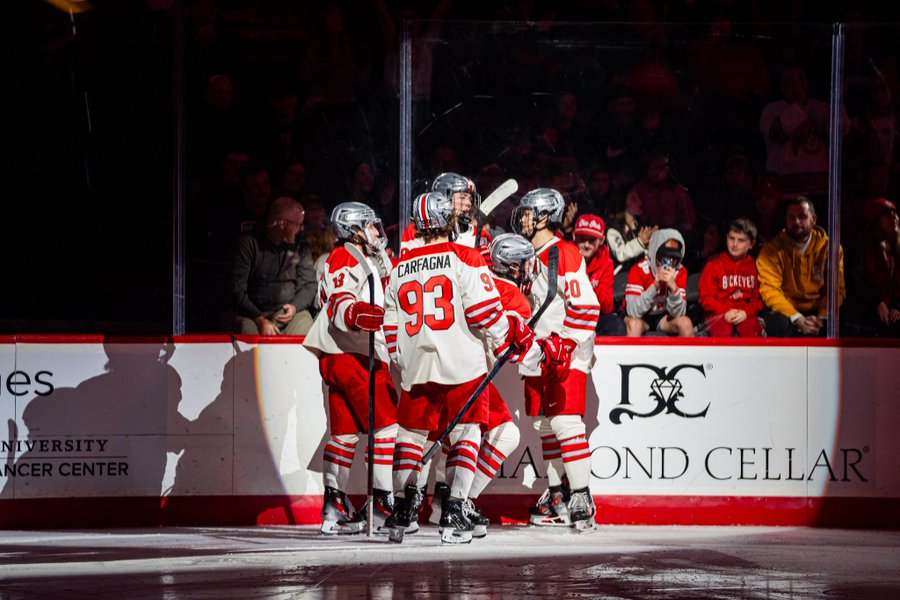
column 646, row 301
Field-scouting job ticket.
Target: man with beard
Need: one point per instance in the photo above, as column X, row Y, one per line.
column 793, row 270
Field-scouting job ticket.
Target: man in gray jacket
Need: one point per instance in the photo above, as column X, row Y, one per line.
column 273, row 277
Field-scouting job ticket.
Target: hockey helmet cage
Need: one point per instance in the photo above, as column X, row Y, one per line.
column 512, row 257
column 450, row 183
column 540, row 202
column 357, row 222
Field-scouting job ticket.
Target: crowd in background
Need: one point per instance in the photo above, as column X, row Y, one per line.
column 680, row 128
column 681, row 115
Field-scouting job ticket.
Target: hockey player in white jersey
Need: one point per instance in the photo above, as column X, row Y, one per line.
column 440, row 297
column 513, row 267
column 466, row 200
column 555, row 389
column 340, row 338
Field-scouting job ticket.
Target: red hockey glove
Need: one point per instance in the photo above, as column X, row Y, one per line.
column 364, row 316
column 520, row 337
column 557, row 356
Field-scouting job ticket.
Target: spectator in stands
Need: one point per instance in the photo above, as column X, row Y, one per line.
column 732, row 195
column 361, row 184
column 655, row 296
column 664, row 202
column 316, row 214
column 212, row 127
column 256, row 193
column 881, row 257
column 796, row 129
column 793, row 271
column 616, row 130
column 729, row 286
column 599, row 198
column 293, row 179
column 766, row 199
column 273, row 280
column 626, row 235
column 705, row 244
column 277, row 136
column 590, row 237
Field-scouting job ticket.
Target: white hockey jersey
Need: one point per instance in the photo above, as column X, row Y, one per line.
column 574, row 310
column 408, row 239
column 344, row 281
column 438, row 297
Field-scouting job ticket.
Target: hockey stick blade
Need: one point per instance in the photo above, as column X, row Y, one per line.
column 498, row 196
column 552, row 273
column 356, row 253
column 494, row 199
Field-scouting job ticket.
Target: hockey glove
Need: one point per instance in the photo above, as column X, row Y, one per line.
column 557, row 356
column 364, row 316
column 519, row 338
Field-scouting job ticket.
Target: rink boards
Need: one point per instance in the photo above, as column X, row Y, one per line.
column 220, row 431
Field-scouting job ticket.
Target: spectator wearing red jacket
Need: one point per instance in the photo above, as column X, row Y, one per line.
column 590, row 237
column 729, row 286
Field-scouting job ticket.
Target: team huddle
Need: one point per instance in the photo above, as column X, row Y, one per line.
column 454, row 307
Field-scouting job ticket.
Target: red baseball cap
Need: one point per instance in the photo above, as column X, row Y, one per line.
column 592, row 225
column 873, row 209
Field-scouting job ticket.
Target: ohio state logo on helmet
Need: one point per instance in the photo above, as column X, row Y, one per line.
column 432, row 210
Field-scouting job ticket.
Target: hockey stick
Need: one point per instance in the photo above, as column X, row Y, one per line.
column 552, row 274
column 356, row 253
column 494, row 199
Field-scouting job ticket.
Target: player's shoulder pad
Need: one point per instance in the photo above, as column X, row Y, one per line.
column 569, row 256
column 340, row 258
column 468, row 255
column 409, row 233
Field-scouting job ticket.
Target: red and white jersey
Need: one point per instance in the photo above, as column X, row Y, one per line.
column 640, row 278
column 513, row 301
column 439, row 298
column 574, row 310
column 343, row 282
column 408, row 239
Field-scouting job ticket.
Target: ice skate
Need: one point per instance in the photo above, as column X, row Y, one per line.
column 582, row 510
column 381, row 509
column 479, row 521
column 415, row 508
column 551, row 509
column 455, row 528
column 338, row 515
column 441, row 493
column 400, row 520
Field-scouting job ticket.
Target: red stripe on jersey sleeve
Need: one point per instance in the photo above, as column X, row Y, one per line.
column 335, row 300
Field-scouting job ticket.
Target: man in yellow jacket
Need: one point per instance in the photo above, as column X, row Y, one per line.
column 793, row 271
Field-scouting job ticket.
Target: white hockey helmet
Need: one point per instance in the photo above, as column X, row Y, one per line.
column 432, row 210
column 450, row 183
column 357, row 222
column 512, row 257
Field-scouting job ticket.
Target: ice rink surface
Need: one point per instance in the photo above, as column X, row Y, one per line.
column 512, row 562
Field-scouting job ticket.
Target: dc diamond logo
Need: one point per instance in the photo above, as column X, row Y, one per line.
column 665, row 391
